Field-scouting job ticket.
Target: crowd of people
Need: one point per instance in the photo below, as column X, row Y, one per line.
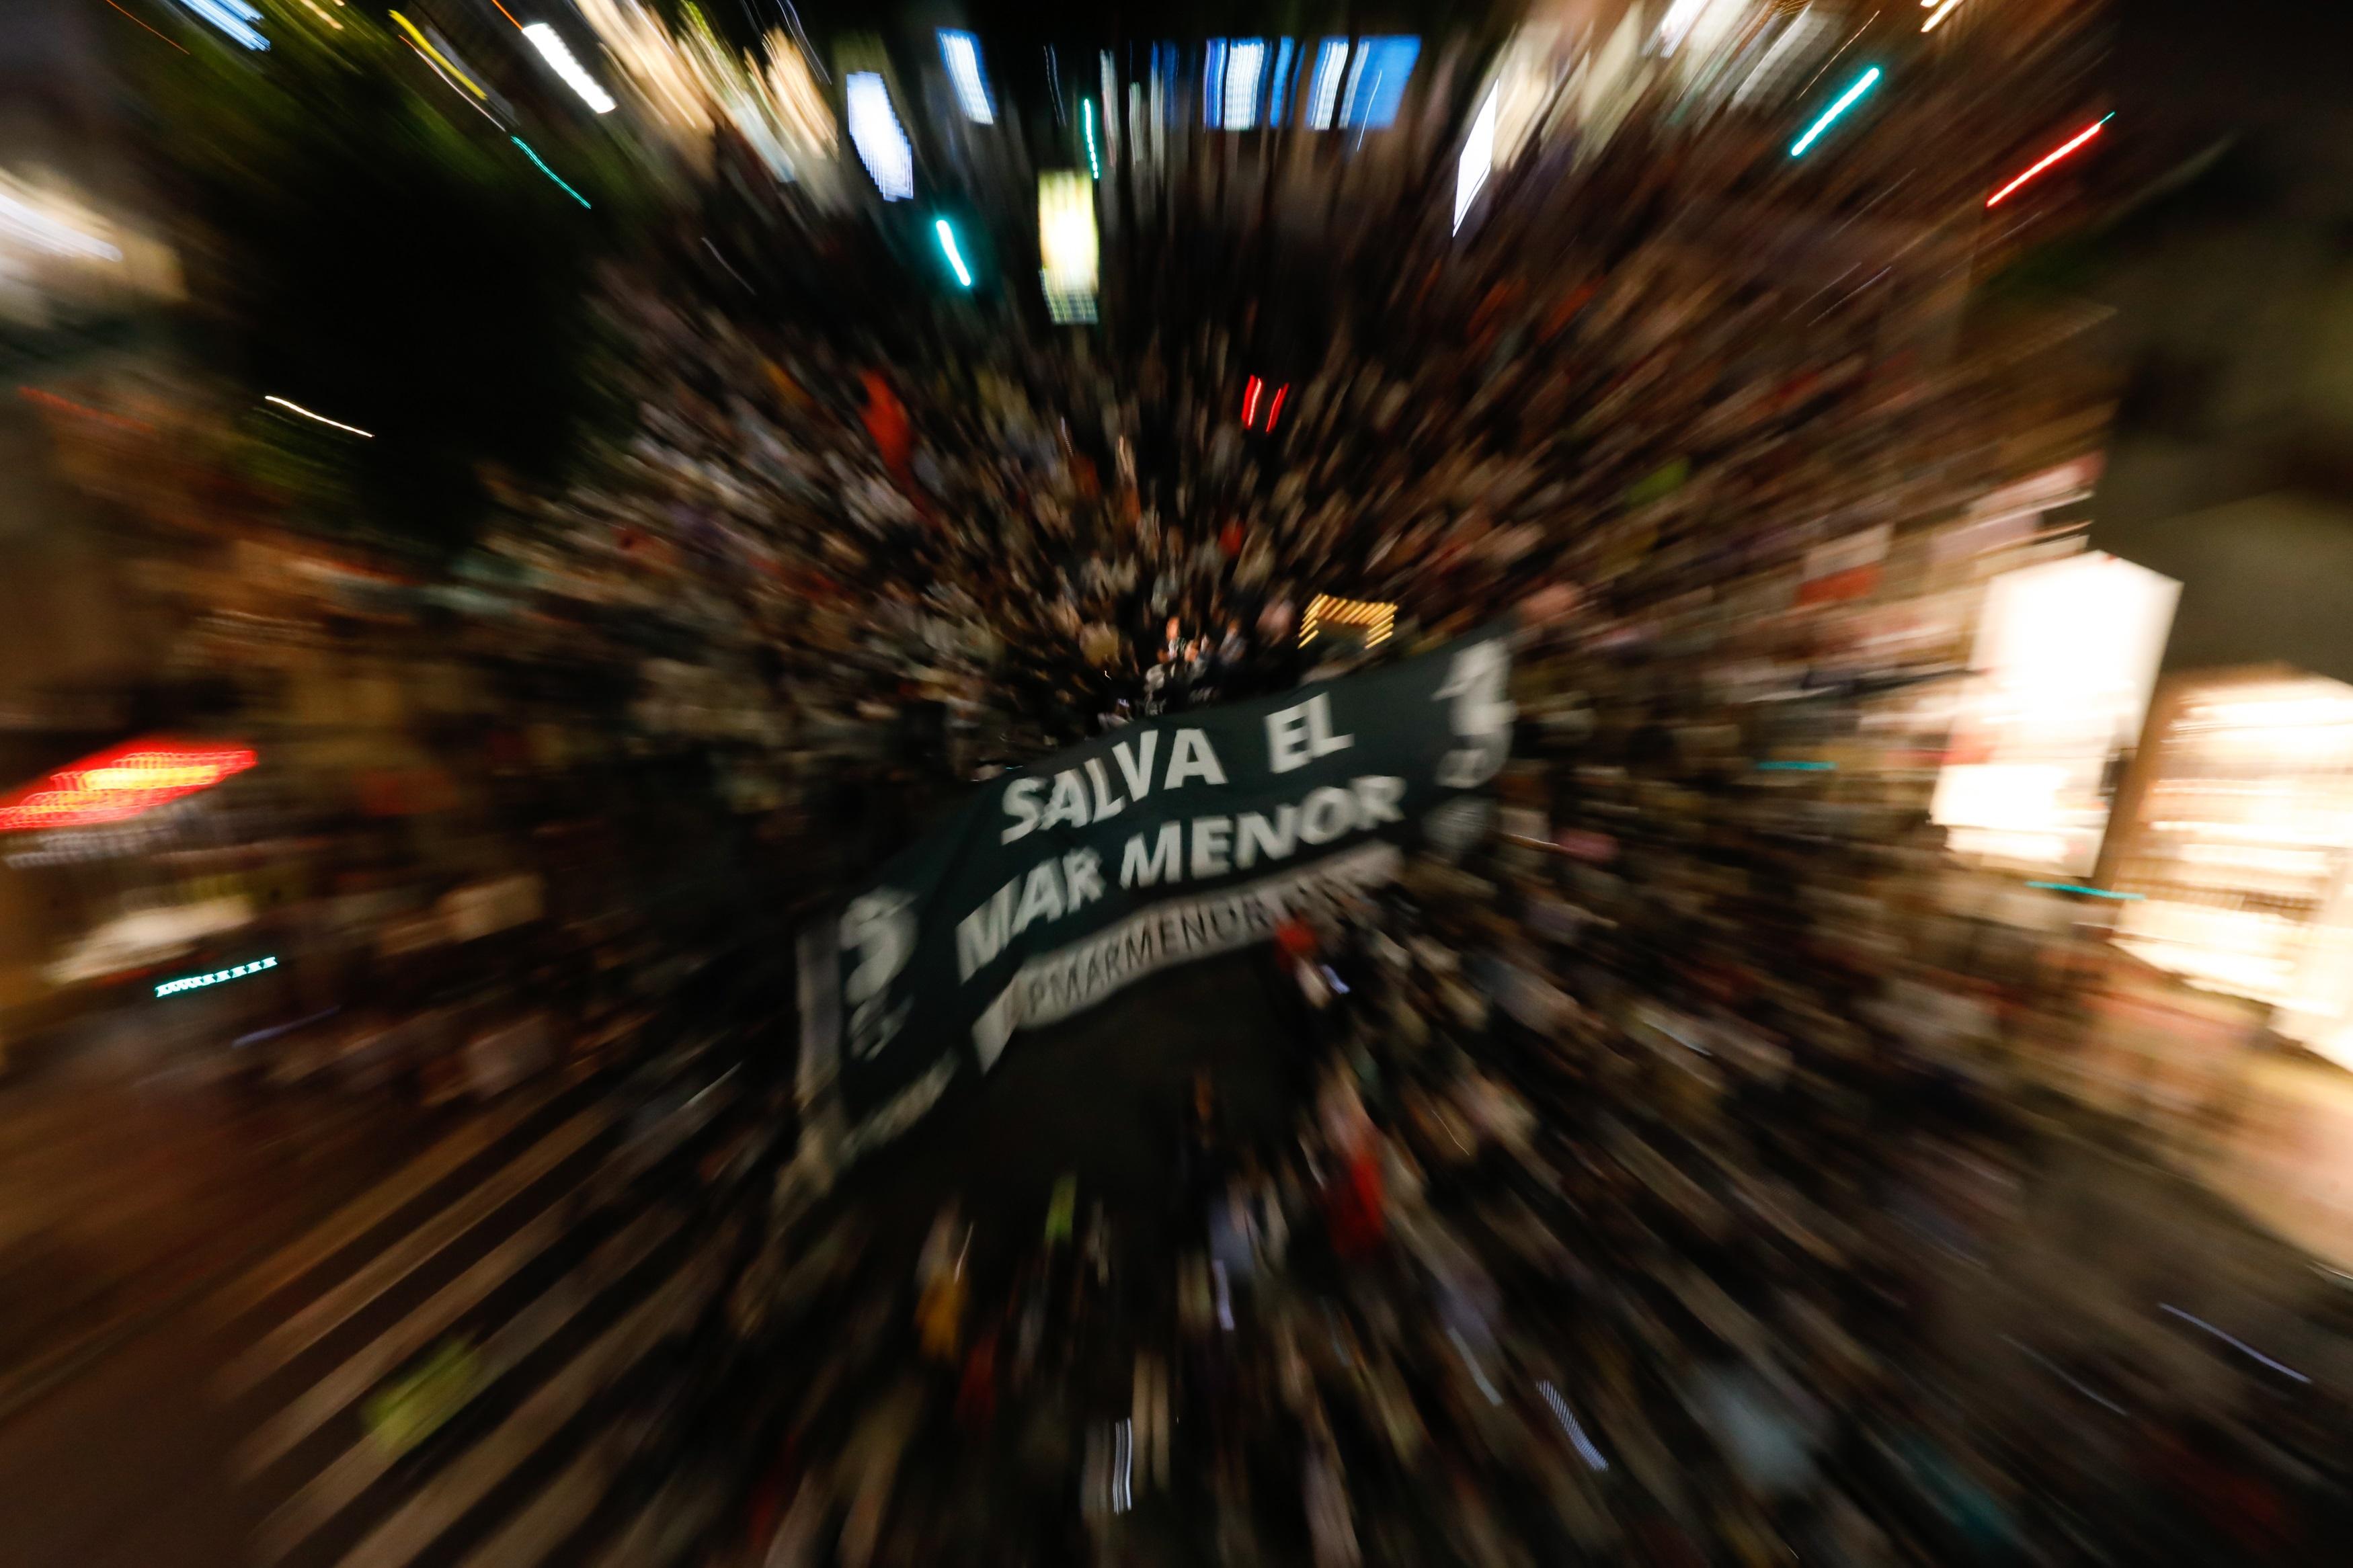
column 1617, row 392
column 1639, row 1154
column 1593, row 1239
column 1646, row 1149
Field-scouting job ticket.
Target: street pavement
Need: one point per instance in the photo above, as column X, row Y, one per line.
column 546, row 1251
column 547, row 1244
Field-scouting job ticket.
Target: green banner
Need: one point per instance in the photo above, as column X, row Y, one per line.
column 1179, row 837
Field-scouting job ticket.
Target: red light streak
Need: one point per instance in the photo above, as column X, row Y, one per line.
column 1274, row 409
column 144, row 24
column 1250, row 402
column 2049, row 158
column 66, row 404
column 122, row 783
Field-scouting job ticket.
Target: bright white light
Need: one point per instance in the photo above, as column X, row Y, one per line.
column 1681, row 17
column 1111, row 107
column 559, row 57
column 1802, row 26
column 289, row 403
column 948, row 247
column 1478, row 156
column 1937, row 17
column 2006, row 797
column 2234, row 1342
column 1585, row 1448
column 2067, row 654
column 1110, row 101
column 874, row 131
column 1357, row 64
column 1324, row 90
column 1067, row 244
column 234, row 17
column 20, row 220
column 962, row 52
column 2241, row 848
column 1244, row 63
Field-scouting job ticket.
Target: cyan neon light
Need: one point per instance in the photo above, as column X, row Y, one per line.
column 1087, row 116
column 1796, row 767
column 2088, row 892
column 1862, row 84
column 197, row 981
column 551, row 173
column 948, row 247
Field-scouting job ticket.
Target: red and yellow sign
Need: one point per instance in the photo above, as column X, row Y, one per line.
column 122, row 782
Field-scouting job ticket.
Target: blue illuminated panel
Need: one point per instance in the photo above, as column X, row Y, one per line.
column 1377, row 79
column 1284, row 56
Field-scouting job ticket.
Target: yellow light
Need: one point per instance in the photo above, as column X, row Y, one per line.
column 1067, row 244
column 165, row 778
column 1377, row 618
column 436, row 54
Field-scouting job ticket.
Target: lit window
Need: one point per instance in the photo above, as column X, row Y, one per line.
column 1477, row 158
column 1245, row 62
column 234, row 17
column 562, row 61
column 874, row 131
column 1376, row 82
column 962, row 52
column 1067, row 244
column 1323, row 87
column 1283, row 52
